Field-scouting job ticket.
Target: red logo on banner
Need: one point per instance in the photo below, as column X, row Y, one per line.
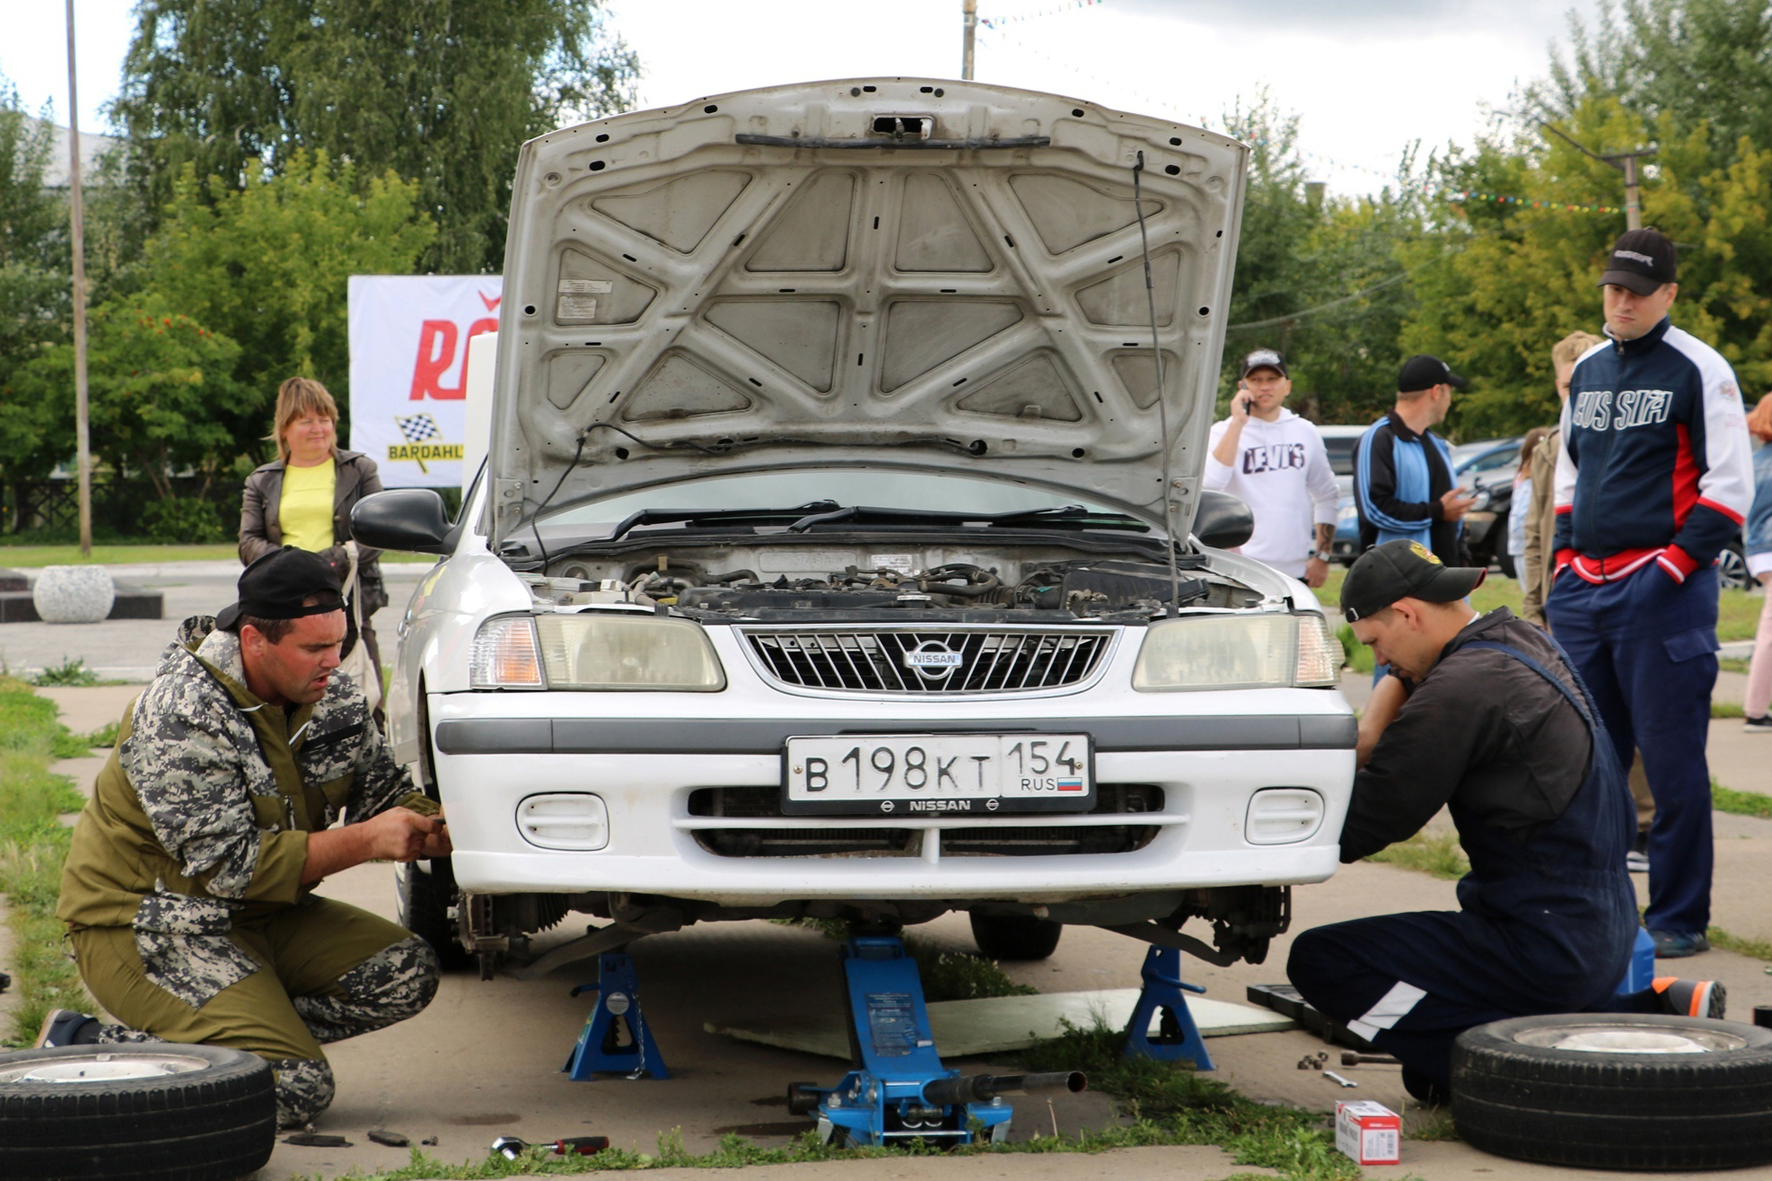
column 437, row 341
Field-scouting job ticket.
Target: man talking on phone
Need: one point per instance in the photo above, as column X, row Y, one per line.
column 1275, row 462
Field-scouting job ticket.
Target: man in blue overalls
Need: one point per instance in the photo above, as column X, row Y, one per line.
column 1484, row 715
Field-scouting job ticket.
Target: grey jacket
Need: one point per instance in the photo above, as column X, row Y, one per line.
column 261, row 532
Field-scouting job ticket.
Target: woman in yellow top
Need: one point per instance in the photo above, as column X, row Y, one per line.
column 304, row 497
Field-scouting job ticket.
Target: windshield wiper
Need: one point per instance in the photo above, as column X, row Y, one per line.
column 1070, row 514
column 655, row 516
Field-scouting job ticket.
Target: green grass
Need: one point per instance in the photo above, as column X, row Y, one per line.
column 1732, row 664
column 1758, row 949
column 1727, row 709
column 1436, row 853
column 1738, row 613
column 69, row 673
column 1742, row 803
column 33, row 844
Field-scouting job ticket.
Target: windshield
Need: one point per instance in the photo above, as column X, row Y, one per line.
column 915, row 491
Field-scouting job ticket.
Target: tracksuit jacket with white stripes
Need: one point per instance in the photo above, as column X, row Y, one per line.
column 1654, row 464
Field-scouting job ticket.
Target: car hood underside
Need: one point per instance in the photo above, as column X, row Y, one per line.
column 923, row 274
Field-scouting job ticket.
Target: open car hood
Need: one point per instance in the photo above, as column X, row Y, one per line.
column 910, row 273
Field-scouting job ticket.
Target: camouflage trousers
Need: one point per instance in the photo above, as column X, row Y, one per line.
column 307, row 975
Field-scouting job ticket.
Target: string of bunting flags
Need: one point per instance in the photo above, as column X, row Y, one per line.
column 991, row 22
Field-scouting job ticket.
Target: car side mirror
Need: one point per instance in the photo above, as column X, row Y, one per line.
column 408, row 519
column 1223, row 522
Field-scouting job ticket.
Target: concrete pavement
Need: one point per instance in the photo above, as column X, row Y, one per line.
column 484, row 1060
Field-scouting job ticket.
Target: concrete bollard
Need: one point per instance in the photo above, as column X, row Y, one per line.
column 73, row 594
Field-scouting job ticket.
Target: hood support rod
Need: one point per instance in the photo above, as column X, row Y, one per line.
column 1150, row 298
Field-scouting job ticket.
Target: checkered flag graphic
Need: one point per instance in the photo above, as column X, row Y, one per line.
column 417, row 427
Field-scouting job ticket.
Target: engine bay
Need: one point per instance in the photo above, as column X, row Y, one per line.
column 764, row 582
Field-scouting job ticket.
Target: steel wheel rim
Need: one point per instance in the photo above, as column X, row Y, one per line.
column 1624, row 1037
column 110, row 1067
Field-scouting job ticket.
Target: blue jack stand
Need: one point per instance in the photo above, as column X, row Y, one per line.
column 601, row 1045
column 898, row 1089
column 1164, row 990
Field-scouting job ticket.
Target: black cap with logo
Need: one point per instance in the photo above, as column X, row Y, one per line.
column 1403, row 570
column 1424, row 371
column 1264, row 359
column 1641, row 260
column 279, row 585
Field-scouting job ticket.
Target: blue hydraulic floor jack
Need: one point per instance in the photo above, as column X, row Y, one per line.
column 1165, row 992
column 615, row 1038
column 897, row 1088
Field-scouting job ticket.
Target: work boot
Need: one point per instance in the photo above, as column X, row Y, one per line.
column 64, row 1027
column 1690, row 998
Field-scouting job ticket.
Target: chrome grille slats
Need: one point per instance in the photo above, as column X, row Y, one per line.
column 862, row 659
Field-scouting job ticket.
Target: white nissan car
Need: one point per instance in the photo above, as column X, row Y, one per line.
column 840, row 548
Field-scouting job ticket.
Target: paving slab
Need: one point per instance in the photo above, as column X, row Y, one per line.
column 995, row 1025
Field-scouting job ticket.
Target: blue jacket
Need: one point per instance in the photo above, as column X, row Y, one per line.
column 1654, row 462
column 1759, row 517
column 1397, row 489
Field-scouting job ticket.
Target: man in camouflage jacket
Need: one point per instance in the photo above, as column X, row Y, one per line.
column 188, row 886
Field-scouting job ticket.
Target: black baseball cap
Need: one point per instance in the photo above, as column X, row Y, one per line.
column 1264, row 359
column 1641, row 260
column 1423, row 371
column 1403, row 570
column 278, row 585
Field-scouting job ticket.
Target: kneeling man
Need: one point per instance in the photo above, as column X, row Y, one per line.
column 1483, row 715
column 188, row 889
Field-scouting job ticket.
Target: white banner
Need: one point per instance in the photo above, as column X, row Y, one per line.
column 409, row 363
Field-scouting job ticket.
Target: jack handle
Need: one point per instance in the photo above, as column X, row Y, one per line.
column 977, row 1088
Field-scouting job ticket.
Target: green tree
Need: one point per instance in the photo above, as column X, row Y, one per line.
column 1321, row 279
column 441, row 91
column 1690, row 62
column 267, row 267
column 34, row 283
column 159, row 388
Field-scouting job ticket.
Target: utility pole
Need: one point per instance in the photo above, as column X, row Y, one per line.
column 969, row 10
column 1625, row 162
column 82, row 438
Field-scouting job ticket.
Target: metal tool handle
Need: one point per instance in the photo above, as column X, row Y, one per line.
column 977, row 1088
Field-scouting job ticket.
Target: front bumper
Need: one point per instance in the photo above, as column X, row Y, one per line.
column 494, row 751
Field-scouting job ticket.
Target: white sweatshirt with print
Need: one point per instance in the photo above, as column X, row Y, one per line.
column 1281, row 471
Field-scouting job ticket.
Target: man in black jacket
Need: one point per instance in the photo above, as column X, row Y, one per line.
column 1483, row 715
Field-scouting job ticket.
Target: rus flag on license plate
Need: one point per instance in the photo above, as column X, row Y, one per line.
column 1070, row 785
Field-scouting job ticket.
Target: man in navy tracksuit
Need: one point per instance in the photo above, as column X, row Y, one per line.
column 1481, row 715
column 1653, row 478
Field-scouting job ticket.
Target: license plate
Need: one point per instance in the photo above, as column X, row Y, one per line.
column 935, row 774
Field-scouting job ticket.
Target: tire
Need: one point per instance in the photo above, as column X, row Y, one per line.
column 150, row 1111
column 1521, row 1090
column 1732, row 568
column 1015, row 937
column 423, row 902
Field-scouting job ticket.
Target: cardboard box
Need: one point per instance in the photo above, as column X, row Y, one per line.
column 1368, row 1132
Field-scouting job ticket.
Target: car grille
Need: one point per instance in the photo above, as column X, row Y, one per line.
column 1007, row 836
column 924, row 661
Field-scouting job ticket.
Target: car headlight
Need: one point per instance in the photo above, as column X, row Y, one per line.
column 1237, row 652
column 1348, row 512
column 1481, row 499
column 594, row 650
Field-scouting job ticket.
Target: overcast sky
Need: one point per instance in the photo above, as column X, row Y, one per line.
column 1367, row 77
